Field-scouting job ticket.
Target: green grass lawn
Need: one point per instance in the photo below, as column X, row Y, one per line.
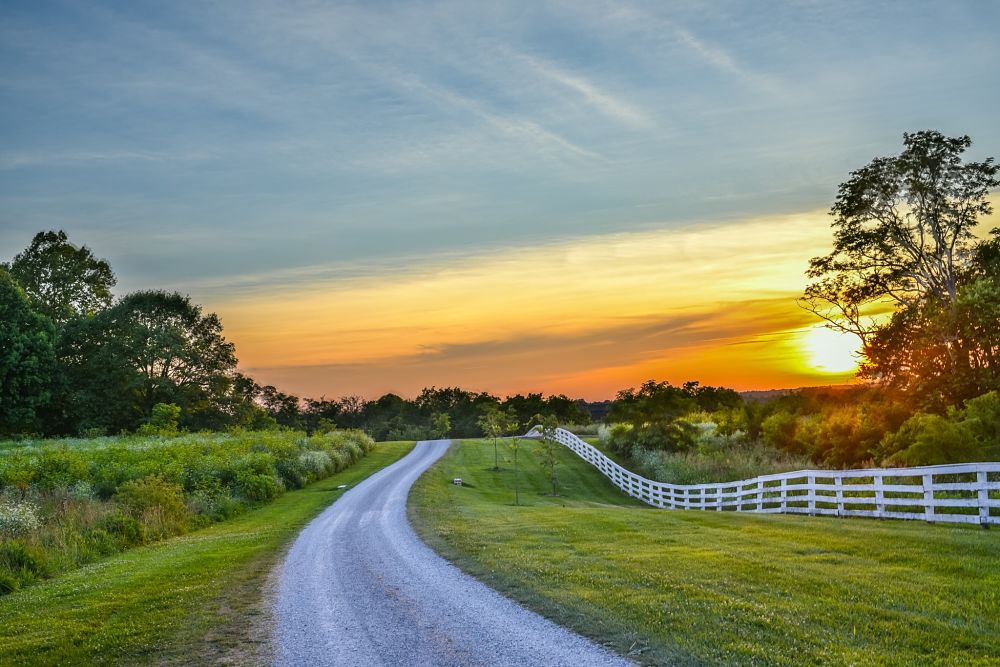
column 196, row 599
column 673, row 587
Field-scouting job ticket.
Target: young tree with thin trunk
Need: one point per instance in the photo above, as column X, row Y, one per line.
column 442, row 424
column 512, row 426
column 548, row 447
column 492, row 422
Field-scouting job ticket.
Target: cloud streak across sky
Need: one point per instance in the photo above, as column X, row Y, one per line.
column 379, row 196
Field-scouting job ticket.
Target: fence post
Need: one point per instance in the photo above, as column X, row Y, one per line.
column 718, row 498
column 760, row 495
column 984, row 499
column 929, row 498
column 838, row 481
column 811, row 485
column 784, row 495
column 879, row 497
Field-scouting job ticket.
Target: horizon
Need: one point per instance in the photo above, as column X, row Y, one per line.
column 560, row 198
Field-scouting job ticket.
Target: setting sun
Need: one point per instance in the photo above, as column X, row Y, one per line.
column 829, row 351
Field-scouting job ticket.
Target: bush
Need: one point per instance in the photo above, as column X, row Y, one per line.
column 140, row 496
column 110, row 494
column 128, row 530
column 101, row 542
column 18, row 518
column 163, row 420
column 968, row 434
column 255, row 487
column 8, row 583
column 22, row 562
column 317, row 464
column 723, row 461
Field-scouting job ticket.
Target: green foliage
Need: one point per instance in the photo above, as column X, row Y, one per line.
column 27, row 359
column 87, row 499
column 61, row 279
column 255, row 487
column 22, row 564
column 967, row 434
column 150, row 347
column 442, row 424
column 128, row 530
column 939, row 354
column 653, row 416
column 163, row 420
column 158, row 503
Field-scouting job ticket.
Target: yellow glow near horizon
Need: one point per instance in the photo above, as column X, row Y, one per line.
column 587, row 316
column 830, row 351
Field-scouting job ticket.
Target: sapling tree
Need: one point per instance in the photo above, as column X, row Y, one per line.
column 442, row 424
column 548, row 447
column 512, row 426
column 493, row 421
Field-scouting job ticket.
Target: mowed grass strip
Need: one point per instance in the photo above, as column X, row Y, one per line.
column 196, row 599
column 674, row 587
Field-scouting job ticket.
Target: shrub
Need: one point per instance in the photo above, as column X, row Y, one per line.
column 163, row 420
column 23, row 561
column 970, row 433
column 317, row 464
column 110, row 494
column 8, row 583
column 59, row 468
column 82, row 490
column 127, row 529
column 721, row 462
column 929, row 440
column 101, row 541
column 292, row 474
column 255, row 487
column 139, row 496
column 18, row 518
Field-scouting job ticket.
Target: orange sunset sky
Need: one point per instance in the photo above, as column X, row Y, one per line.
column 715, row 302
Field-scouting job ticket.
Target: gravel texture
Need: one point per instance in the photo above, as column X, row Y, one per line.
column 359, row 588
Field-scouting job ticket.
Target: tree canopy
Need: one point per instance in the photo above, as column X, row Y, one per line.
column 27, row 359
column 904, row 243
column 62, row 279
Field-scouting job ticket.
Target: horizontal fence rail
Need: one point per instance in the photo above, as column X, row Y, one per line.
column 957, row 493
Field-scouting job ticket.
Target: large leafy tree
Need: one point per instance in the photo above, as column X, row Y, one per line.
column 26, row 359
column 904, row 243
column 62, row 279
column 151, row 347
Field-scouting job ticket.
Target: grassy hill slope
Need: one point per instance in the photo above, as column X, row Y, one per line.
column 673, row 587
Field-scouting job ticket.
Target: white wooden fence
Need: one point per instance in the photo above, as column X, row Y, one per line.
column 959, row 493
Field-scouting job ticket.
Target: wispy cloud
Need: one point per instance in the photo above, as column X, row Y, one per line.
column 606, row 103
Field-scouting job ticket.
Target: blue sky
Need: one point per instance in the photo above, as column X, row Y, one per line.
column 220, row 148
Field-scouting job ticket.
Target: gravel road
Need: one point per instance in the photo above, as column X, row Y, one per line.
column 358, row 587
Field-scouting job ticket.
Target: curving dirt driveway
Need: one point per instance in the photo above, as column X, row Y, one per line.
column 359, row 588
